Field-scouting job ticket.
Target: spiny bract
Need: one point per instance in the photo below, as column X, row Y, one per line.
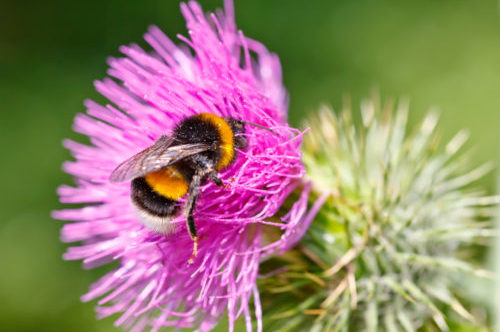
column 393, row 235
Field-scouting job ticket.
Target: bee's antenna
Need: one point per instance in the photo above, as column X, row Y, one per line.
column 258, row 126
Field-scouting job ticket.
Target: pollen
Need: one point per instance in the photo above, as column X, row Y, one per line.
column 168, row 182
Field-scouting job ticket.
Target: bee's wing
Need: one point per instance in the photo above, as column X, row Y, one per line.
column 157, row 156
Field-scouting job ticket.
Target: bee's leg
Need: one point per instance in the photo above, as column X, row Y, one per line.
column 194, row 190
column 214, row 176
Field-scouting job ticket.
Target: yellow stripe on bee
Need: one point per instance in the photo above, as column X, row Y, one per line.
column 168, row 182
column 226, row 138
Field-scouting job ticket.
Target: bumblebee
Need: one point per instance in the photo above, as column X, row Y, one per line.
column 175, row 166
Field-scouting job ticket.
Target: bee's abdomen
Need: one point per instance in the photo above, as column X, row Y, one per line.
column 146, row 198
column 169, row 182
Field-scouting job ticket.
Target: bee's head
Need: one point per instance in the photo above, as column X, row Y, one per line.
column 238, row 128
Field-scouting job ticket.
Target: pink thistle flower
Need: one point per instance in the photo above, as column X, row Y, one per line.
column 213, row 72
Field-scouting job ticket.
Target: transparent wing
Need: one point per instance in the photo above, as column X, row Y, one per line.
column 157, row 156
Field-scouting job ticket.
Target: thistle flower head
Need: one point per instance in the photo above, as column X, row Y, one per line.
column 216, row 70
column 395, row 231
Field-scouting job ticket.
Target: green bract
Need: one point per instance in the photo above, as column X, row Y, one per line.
column 400, row 226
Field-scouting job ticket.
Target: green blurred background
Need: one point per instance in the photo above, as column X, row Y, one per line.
column 436, row 53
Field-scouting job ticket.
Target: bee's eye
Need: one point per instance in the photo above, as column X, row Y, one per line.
column 240, row 142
